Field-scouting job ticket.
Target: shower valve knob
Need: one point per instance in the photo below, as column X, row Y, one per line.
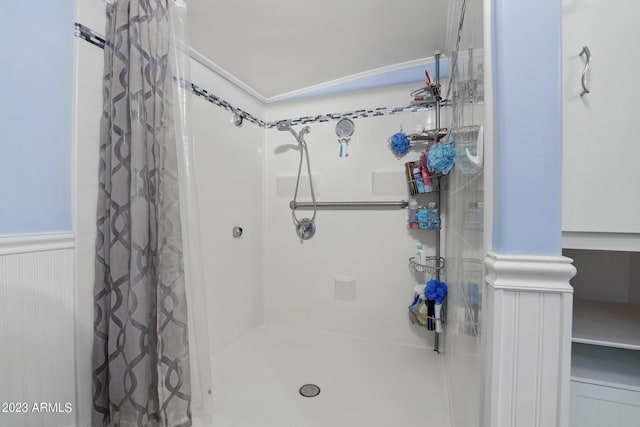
column 237, row 232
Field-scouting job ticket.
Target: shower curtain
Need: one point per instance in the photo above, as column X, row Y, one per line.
column 141, row 373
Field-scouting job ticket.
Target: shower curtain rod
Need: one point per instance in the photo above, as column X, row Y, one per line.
column 401, row 204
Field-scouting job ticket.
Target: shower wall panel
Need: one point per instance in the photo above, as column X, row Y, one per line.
column 229, row 167
column 352, row 276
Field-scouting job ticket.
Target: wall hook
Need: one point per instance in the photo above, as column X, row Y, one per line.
column 587, row 54
column 237, row 119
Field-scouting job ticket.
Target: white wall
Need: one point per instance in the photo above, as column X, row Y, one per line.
column 372, row 246
column 229, row 165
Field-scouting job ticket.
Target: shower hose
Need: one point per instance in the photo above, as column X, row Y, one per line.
column 304, row 151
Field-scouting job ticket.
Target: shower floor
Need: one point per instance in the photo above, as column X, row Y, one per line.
column 363, row 382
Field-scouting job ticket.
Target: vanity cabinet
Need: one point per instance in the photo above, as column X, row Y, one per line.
column 601, row 209
column 601, row 132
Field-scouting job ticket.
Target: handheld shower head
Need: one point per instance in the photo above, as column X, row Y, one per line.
column 299, row 136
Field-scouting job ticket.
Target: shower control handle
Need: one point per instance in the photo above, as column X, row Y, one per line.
column 237, row 232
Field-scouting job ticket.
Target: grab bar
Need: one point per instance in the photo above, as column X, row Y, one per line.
column 401, row 204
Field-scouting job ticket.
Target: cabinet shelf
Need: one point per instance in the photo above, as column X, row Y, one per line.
column 606, row 366
column 606, row 324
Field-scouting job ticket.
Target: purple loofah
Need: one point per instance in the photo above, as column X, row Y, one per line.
column 435, row 291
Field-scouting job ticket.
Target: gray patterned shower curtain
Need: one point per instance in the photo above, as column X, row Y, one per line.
column 141, row 371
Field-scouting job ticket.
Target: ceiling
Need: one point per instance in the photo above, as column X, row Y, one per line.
column 279, row 48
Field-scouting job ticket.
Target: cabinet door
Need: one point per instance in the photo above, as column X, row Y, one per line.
column 601, row 147
column 594, row 405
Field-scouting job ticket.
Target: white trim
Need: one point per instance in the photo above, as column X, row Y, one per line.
column 488, row 124
column 527, row 340
column 197, row 56
column 226, row 75
column 526, row 273
column 601, row 241
column 351, row 78
column 24, row 243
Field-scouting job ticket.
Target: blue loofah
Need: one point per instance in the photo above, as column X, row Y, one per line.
column 441, row 158
column 400, row 144
column 435, row 291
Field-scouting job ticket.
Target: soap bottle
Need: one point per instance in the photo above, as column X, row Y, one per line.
column 417, row 180
column 433, row 221
column 426, row 180
column 422, row 216
column 419, row 254
column 413, row 207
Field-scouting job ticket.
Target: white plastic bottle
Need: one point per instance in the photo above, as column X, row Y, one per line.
column 413, row 207
column 419, row 254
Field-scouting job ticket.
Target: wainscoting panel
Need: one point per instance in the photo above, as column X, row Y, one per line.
column 528, row 342
column 37, row 386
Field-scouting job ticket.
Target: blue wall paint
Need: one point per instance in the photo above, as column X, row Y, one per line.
column 36, row 81
column 527, row 47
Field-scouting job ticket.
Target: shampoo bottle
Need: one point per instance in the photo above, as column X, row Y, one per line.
column 420, row 254
column 417, row 180
column 413, row 207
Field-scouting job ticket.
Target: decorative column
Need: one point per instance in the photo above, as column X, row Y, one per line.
column 527, row 297
column 528, row 305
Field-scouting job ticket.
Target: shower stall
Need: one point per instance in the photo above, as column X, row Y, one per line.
column 298, row 331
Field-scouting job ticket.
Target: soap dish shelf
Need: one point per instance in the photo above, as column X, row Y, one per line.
column 415, row 225
column 431, row 265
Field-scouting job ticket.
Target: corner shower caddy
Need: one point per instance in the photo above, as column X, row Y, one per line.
column 433, row 265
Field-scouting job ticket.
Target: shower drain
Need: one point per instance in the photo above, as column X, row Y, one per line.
column 309, row 390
